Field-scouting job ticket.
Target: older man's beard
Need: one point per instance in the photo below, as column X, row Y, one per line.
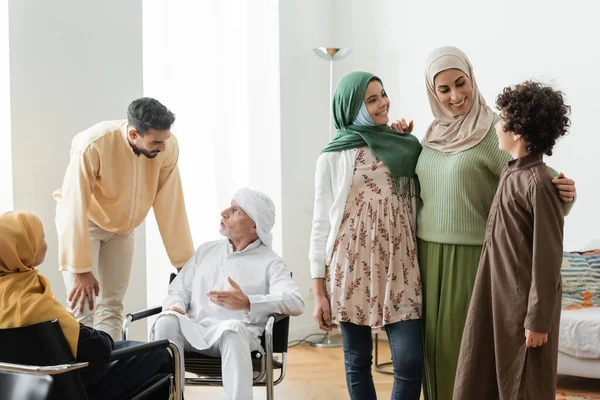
column 225, row 232
column 149, row 154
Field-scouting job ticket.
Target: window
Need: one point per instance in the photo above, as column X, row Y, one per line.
column 216, row 66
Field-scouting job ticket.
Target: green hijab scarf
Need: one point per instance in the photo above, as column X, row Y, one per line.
column 399, row 151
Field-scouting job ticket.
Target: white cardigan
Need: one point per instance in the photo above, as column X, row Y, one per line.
column 333, row 179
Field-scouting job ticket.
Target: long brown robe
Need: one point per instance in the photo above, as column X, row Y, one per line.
column 518, row 287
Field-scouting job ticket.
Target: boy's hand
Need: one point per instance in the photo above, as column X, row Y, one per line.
column 402, row 126
column 535, row 339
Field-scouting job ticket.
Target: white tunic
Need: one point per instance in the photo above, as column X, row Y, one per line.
column 260, row 273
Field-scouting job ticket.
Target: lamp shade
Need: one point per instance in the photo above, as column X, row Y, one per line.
column 331, row 53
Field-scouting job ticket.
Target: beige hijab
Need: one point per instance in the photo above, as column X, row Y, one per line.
column 450, row 133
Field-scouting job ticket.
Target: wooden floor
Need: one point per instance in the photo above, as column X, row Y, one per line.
column 318, row 374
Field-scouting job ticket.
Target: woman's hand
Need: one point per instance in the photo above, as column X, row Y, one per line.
column 402, row 126
column 322, row 313
column 566, row 188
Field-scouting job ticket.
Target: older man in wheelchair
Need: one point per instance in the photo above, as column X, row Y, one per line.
column 219, row 303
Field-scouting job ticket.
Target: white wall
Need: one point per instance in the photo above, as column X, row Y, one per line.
column 73, row 63
column 303, row 26
column 6, row 181
column 507, row 43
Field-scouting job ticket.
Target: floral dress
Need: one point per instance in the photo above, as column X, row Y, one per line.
column 373, row 278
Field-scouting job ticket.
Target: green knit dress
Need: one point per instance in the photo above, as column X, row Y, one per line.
column 457, row 192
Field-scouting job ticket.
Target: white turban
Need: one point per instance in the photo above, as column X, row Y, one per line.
column 261, row 209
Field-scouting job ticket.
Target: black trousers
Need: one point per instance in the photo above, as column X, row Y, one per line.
column 122, row 379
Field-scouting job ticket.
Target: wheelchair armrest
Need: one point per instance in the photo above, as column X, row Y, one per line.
column 277, row 332
column 135, row 350
column 275, row 341
column 43, row 370
column 279, row 317
column 136, row 316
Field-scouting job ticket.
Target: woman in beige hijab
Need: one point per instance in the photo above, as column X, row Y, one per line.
column 458, row 170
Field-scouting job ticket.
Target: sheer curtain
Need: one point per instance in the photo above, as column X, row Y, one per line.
column 215, row 64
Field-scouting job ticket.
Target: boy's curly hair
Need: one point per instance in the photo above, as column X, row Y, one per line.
column 537, row 113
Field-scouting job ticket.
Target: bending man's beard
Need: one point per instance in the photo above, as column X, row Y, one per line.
column 150, row 154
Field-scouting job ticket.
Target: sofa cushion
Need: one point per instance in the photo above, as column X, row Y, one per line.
column 581, row 280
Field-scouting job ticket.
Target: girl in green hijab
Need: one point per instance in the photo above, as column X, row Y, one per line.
column 363, row 243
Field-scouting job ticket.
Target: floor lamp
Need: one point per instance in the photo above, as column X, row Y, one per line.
column 330, row 54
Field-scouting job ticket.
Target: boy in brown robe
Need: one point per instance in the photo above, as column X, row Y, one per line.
column 510, row 343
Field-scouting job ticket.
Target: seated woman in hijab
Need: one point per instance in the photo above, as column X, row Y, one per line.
column 26, row 299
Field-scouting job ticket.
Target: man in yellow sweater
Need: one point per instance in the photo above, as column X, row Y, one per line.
column 117, row 171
